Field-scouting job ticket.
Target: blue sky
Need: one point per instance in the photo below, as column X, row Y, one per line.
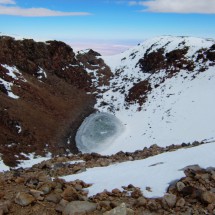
column 109, row 26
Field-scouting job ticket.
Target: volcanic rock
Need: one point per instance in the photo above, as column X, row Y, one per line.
column 77, row 207
column 24, row 199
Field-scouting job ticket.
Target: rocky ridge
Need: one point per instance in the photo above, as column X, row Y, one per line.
column 38, row 190
column 141, row 70
column 45, row 92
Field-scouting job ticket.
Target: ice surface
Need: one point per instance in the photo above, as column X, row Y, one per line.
column 97, row 132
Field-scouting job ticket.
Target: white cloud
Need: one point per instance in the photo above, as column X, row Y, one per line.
column 177, row 6
column 36, row 12
column 7, row 2
column 33, row 12
column 134, row 3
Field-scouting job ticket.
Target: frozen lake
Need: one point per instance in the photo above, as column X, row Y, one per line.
column 97, row 132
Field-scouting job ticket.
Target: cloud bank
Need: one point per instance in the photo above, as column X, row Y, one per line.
column 177, row 6
column 7, row 2
column 33, row 12
column 103, row 48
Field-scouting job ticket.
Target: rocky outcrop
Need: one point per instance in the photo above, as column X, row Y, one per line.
column 53, row 57
column 38, row 190
column 172, row 62
column 43, row 98
column 138, row 93
column 99, row 72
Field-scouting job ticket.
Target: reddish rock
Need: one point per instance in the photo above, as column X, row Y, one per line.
column 19, row 180
column 37, row 194
column 79, row 207
column 70, row 194
column 141, row 202
column 54, row 112
column 24, row 199
column 208, row 197
column 53, row 197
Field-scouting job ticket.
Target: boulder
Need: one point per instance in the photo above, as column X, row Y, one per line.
column 78, row 207
column 37, row 194
column 208, row 197
column 24, row 199
column 70, row 194
column 141, row 201
column 180, row 186
column 170, row 200
column 120, row 210
column 180, row 202
column 53, row 197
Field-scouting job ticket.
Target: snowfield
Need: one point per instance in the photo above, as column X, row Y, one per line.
column 180, row 109
column 156, row 172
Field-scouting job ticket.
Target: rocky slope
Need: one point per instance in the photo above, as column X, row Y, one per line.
column 43, row 96
column 39, row 190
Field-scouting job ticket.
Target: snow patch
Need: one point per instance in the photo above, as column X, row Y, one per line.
column 15, row 75
column 41, row 74
column 156, row 172
column 33, row 159
column 3, row 167
column 19, row 129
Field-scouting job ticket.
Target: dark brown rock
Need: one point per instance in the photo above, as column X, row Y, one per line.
column 136, row 193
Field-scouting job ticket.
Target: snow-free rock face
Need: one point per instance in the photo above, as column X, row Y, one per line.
column 97, row 132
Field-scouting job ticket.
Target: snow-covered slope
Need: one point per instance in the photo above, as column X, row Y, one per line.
column 156, row 172
column 163, row 92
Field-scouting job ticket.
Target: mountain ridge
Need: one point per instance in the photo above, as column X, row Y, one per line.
column 127, row 81
column 162, row 162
